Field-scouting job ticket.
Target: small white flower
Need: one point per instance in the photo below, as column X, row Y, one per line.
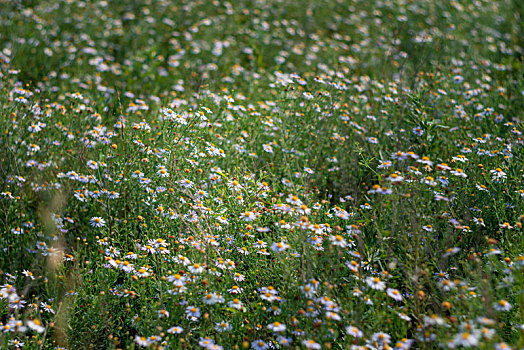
column 175, row 330
column 259, row 344
column 311, row 344
column 192, row 313
column 47, row 307
column 267, row 148
column 395, row 294
column 222, row 326
column 142, row 341
column 97, row 222
column 354, row 332
column 279, row 247
column 502, row 305
column 338, row 241
column 467, row 339
column 36, row 325
column 375, row 283
column 277, row 327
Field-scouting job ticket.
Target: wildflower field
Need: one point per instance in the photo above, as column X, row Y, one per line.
column 248, row 174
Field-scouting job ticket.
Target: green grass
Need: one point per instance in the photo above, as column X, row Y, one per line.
column 325, row 164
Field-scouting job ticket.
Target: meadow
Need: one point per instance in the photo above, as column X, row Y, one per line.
column 248, row 174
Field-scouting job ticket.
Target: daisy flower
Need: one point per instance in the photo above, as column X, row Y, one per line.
column 238, row 277
column 182, row 260
column 192, row 313
column 36, row 325
column 47, row 307
column 97, row 222
column 260, row 244
column 459, row 172
column 259, row 344
column 16, row 343
column 338, row 241
column 196, row 268
column 428, row 228
column 284, row 341
column 418, row 131
column 222, row 326
column 467, row 339
column 394, row 294
column 206, row 342
column 236, row 304
column 354, row 332
column 17, row 231
column 309, row 170
column 267, row 148
column 395, row 178
column 186, row 183
column 212, row 298
column 279, row 247
column 502, row 305
column 248, row 216
column 384, row 164
column 381, row 338
column 375, row 283
column 163, row 313
column 235, row 290
column 404, row 316
column 311, row 344
column 162, row 172
column 175, row 330
column 243, row 250
column 142, row 272
column 142, row 341
column 277, row 327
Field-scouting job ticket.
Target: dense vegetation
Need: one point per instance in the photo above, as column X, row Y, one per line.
column 261, row 174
